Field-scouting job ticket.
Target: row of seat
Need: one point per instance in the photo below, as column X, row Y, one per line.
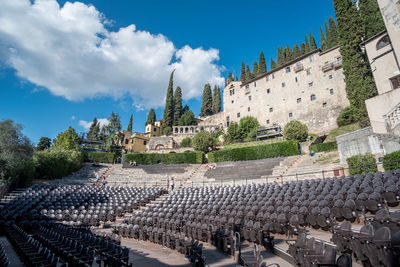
column 3, row 257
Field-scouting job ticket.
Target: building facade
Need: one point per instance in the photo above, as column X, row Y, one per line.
column 134, row 142
column 310, row 89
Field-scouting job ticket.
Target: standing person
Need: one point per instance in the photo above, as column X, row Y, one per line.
column 167, row 182
column 172, row 184
column 103, row 183
column 97, row 178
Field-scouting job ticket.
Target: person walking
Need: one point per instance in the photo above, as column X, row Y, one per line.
column 103, row 183
column 97, row 178
column 172, row 184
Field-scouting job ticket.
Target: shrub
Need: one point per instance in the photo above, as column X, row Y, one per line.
column 233, row 132
column 391, row 161
column 362, row 164
column 194, row 157
column 167, row 130
column 248, row 125
column 186, row 142
column 324, row 147
column 347, row 116
column 282, row 149
column 100, row 157
column 295, row 130
column 203, row 141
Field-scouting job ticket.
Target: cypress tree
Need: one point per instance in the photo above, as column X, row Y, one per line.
column 248, row 73
column 273, row 64
column 371, row 17
column 242, row 73
column 177, row 105
column 306, row 45
column 286, row 54
column 129, row 129
column 216, row 104
column 280, row 58
column 236, row 78
column 94, row 131
column 262, row 67
column 324, row 44
column 230, row 77
column 302, row 48
column 313, row 44
column 360, row 84
column 226, row 82
column 296, row 51
column 151, row 117
column 328, row 35
column 333, row 33
column 168, row 117
column 255, row 70
column 206, row 106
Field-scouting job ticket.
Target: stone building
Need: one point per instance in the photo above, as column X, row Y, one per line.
column 310, row 89
column 134, row 142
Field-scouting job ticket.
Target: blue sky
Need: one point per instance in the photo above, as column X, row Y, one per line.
column 61, row 65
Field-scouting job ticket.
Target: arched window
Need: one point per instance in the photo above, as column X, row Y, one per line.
column 384, row 41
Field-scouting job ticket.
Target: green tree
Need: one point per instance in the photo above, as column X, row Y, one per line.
column 230, row 77
column 347, row 116
column 203, row 141
column 296, row 51
column 313, row 44
column 185, row 109
column 262, row 67
column 359, row 82
column 94, row 131
column 281, row 57
column 177, row 105
column 248, row 73
column 233, row 132
column 168, row 117
column 187, row 119
column 114, row 124
column 44, row 143
column 242, row 73
column 273, row 64
column 295, row 130
column 68, row 140
column 129, row 129
column 302, row 48
column 247, row 125
column 332, row 37
column 236, row 78
column 324, row 44
column 255, row 70
column 206, row 106
column 167, row 130
column 186, row 142
column 151, row 117
column 286, row 54
column 371, row 17
column 306, row 45
column 216, row 103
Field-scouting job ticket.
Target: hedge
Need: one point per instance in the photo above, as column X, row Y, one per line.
column 194, row 157
column 324, row 147
column 362, row 164
column 282, row 149
column 391, row 161
column 99, row 157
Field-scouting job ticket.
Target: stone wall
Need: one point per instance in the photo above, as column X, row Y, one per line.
column 161, row 142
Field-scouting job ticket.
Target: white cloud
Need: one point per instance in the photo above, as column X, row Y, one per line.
column 69, row 51
column 86, row 124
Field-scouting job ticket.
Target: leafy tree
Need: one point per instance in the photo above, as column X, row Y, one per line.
column 68, row 140
column 112, row 134
column 262, row 67
column 206, row 106
column 233, row 132
column 230, row 77
column 94, row 131
column 247, row 125
column 216, row 103
column 151, row 117
column 168, row 117
column 332, row 37
column 295, row 130
column 248, row 73
column 167, row 130
column 187, row 119
column 255, row 69
column 177, row 105
column 306, row 45
column 359, row 82
column 324, row 44
column 203, row 141
column 114, row 124
column 313, row 44
column 242, row 73
column 371, row 17
column 347, row 116
column 44, row 143
column 129, row 129
column 273, row 64
column 186, row 142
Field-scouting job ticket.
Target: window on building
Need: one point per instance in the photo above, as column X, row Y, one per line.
column 144, row 142
column 250, row 97
column 238, row 115
column 267, row 78
column 330, row 77
column 395, row 81
column 310, row 84
column 271, row 109
column 290, row 115
column 227, row 121
column 255, row 84
column 287, row 69
column 126, row 141
column 232, row 101
column 298, row 100
column 295, row 78
column 339, row 59
column 268, row 91
column 283, row 84
column 273, row 76
column 267, row 121
column 311, row 58
column 313, row 97
column 331, row 91
column 247, row 86
column 232, row 92
column 384, row 41
column 308, row 72
column 324, row 105
column 248, row 109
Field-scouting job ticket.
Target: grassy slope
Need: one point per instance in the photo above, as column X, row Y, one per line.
column 254, row 143
column 341, row 130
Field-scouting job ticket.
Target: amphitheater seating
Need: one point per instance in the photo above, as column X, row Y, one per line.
column 86, row 175
column 240, row 170
column 3, row 257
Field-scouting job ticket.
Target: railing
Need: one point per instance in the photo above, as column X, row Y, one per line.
column 298, row 67
column 327, row 67
column 337, row 64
